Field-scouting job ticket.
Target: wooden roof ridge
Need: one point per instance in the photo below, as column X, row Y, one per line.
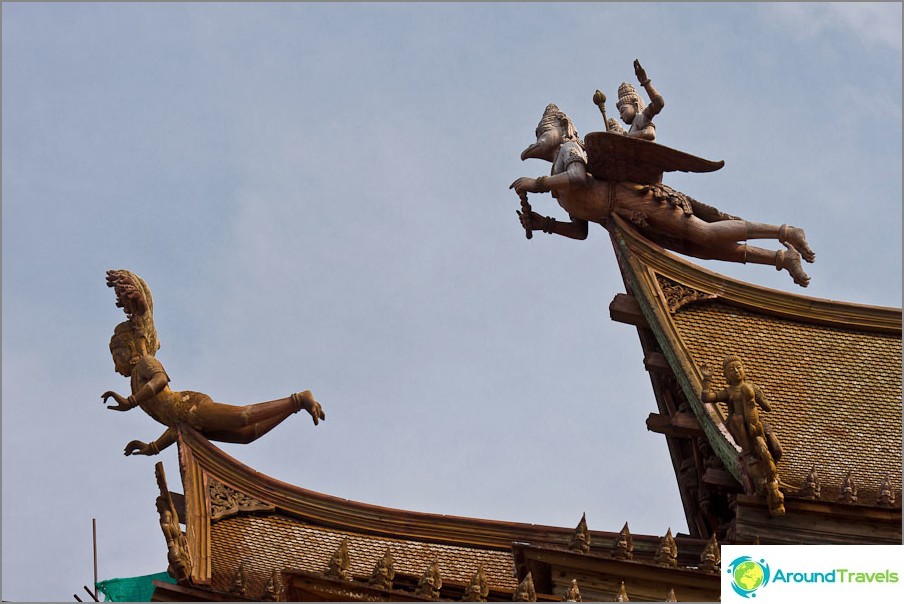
column 852, row 316
column 200, row 461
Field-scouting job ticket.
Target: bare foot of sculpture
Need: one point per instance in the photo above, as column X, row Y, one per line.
column 790, row 261
column 798, row 240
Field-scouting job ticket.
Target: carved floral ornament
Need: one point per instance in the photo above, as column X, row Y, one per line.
column 226, row 501
column 677, row 296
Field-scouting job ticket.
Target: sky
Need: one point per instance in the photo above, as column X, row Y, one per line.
column 317, row 196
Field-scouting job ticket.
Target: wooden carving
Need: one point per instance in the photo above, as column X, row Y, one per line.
column 811, row 489
column 177, row 553
column 477, row 589
column 620, row 171
column 622, row 595
column 848, row 491
column 886, row 497
column 239, row 586
column 271, row 589
column 580, row 539
column 670, row 597
column 573, row 594
column 384, row 572
column 340, row 563
column 667, row 553
column 525, row 591
column 431, row 582
column 225, row 502
column 624, row 544
column 760, row 448
column 711, row 557
column 678, row 296
column 134, row 345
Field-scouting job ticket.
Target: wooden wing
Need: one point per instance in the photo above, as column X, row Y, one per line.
column 618, row 157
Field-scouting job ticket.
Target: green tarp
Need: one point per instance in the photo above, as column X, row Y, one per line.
column 131, row 589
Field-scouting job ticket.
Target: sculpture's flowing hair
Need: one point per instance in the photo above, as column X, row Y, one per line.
column 134, row 296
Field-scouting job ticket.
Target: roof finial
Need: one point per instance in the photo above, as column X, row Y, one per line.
column 525, row 591
column 624, row 544
column 711, row 558
column 671, row 596
column 848, row 492
column 340, row 563
column 812, row 488
column 573, row 594
column 384, row 572
column 622, row 595
column 886, row 497
column 580, row 539
column 667, row 554
column 477, row 590
column 431, row 582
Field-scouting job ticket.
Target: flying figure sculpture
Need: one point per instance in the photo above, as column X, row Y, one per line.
column 619, row 172
column 134, row 345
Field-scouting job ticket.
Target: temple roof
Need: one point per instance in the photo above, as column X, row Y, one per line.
column 237, row 518
column 831, row 370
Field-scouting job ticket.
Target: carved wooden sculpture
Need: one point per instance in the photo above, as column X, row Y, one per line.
column 177, row 553
column 760, row 448
column 526, row 591
column 133, row 346
column 573, row 594
column 431, row 582
column 620, row 172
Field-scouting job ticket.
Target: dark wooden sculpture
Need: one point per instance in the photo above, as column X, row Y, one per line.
column 620, row 172
column 133, row 346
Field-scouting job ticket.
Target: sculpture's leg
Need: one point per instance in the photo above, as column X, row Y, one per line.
column 786, row 234
column 216, row 417
column 740, row 252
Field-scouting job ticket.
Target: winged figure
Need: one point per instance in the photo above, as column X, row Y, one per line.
column 619, row 172
column 134, row 345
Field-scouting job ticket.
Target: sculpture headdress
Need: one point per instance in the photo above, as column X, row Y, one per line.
column 628, row 94
column 553, row 117
column 133, row 296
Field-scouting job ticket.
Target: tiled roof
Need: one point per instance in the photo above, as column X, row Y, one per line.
column 831, row 370
column 274, row 542
column 835, row 394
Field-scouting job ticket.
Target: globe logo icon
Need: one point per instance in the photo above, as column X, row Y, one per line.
column 748, row 575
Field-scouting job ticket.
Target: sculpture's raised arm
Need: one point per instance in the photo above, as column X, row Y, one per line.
column 624, row 180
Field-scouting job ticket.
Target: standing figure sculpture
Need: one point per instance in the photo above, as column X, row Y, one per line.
column 760, row 449
column 133, row 346
column 619, row 172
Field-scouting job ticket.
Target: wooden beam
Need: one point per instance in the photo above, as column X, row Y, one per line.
column 656, row 362
column 680, row 425
column 722, row 478
column 625, row 309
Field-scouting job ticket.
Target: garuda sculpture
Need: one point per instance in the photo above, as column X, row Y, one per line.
column 133, row 346
column 620, row 172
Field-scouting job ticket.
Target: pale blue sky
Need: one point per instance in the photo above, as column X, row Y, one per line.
column 317, row 195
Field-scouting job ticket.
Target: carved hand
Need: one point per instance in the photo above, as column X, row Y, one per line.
column 706, row 372
column 640, row 73
column 525, row 185
column 122, row 402
column 136, row 447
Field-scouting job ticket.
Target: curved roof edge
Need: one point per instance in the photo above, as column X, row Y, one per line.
column 848, row 315
column 201, row 460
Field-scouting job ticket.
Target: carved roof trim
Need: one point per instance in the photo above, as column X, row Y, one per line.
column 201, row 461
column 847, row 315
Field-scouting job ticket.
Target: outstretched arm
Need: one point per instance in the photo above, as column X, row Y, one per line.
column 136, row 447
